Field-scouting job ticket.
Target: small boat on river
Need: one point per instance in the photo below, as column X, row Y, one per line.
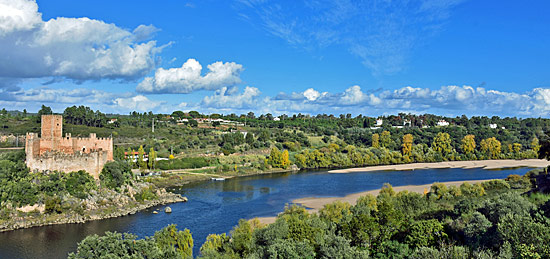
column 218, row 179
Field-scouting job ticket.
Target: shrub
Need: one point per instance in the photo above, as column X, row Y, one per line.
column 53, row 205
column 79, row 184
column 116, row 174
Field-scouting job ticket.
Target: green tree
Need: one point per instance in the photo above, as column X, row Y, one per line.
column 79, row 184
column 249, row 139
column 44, row 110
column 152, row 160
column 142, row 164
column 407, row 144
column 276, row 159
column 491, row 147
column 285, row 160
column 442, row 143
column 516, row 147
column 375, row 140
column 170, row 238
column 116, row 174
column 385, row 139
column 535, row 145
column 425, row 233
column 468, row 145
column 119, row 153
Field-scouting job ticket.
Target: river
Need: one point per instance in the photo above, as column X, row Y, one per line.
column 215, row 207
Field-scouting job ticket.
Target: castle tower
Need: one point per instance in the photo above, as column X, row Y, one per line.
column 51, row 129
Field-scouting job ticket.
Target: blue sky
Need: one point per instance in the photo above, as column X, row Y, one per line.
column 448, row 57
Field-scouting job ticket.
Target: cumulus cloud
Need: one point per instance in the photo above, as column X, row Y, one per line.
column 222, row 99
column 79, row 49
column 61, row 98
column 450, row 100
column 137, row 103
column 188, row 78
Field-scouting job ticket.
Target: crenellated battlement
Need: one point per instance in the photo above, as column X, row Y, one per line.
column 51, row 151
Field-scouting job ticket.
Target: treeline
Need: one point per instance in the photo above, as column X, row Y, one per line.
column 440, row 149
column 82, row 115
column 492, row 219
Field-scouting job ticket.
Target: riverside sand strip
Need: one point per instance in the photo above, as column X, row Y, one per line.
column 485, row 164
column 314, row 204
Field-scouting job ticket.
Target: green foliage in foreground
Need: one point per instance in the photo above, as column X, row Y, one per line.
column 166, row 243
column 20, row 187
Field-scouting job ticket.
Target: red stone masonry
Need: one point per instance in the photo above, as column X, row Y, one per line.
column 53, row 152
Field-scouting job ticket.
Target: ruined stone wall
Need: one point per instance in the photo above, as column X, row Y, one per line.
column 87, row 145
column 54, row 161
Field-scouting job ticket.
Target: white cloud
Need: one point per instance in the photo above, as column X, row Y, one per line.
column 18, row 15
column 187, row 78
column 221, row 99
column 61, row 98
column 311, row 94
column 74, row 48
column 137, row 103
column 449, row 100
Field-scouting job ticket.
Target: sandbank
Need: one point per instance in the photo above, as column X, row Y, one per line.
column 485, row 164
column 314, row 204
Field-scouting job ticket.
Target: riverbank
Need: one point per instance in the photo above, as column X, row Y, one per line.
column 102, row 204
column 484, row 164
column 314, row 204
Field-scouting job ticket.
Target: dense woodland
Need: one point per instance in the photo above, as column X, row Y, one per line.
column 320, row 141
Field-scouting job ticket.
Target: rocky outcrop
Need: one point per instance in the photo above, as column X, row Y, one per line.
column 100, row 204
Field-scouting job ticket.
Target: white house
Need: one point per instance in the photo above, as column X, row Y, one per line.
column 493, row 125
column 442, row 123
column 379, row 122
column 276, row 119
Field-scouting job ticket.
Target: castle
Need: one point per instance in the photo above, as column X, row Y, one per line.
column 53, row 152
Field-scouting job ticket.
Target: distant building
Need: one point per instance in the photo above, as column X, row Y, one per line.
column 111, row 121
column 53, row 152
column 276, row 119
column 493, row 126
column 442, row 123
column 379, row 122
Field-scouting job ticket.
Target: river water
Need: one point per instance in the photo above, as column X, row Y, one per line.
column 215, row 207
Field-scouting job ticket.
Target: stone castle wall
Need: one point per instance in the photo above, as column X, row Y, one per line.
column 51, row 151
column 55, row 161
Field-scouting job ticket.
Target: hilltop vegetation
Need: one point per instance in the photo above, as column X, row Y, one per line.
column 319, row 141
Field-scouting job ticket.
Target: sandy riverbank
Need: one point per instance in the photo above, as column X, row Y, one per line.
column 485, row 164
column 314, row 204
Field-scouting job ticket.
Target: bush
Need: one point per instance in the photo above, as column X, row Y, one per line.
column 79, row 184
column 53, row 205
column 116, row 174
